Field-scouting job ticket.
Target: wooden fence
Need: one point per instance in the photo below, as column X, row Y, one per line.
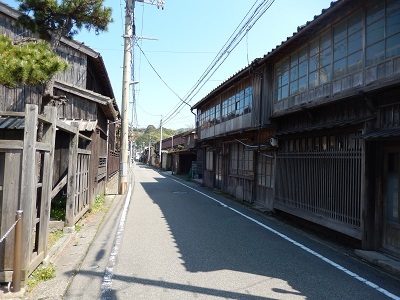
column 112, row 163
column 323, row 186
column 26, row 170
column 26, row 185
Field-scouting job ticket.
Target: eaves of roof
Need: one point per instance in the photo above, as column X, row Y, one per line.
column 106, row 103
column 234, row 78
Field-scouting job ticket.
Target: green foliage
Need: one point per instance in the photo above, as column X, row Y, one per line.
column 78, row 227
column 143, row 136
column 57, row 211
column 28, row 63
column 65, row 18
column 54, row 236
column 39, row 275
column 98, row 204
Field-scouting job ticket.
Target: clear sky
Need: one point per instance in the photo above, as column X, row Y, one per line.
column 189, row 36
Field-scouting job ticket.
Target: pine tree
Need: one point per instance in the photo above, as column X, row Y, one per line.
column 30, row 62
column 53, row 20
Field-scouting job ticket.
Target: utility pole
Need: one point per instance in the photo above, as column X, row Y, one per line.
column 123, row 156
column 126, row 82
column 160, row 141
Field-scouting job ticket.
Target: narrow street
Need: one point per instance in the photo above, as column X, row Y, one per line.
column 177, row 240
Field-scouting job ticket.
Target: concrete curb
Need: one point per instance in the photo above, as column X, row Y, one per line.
column 387, row 263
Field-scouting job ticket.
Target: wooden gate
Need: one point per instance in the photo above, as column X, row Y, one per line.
column 26, row 185
column 78, row 194
column 321, row 186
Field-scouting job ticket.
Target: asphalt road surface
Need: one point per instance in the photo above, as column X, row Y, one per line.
column 172, row 239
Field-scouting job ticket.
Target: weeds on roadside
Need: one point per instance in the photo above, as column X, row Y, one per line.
column 98, row 204
column 41, row 274
column 54, row 236
column 78, row 227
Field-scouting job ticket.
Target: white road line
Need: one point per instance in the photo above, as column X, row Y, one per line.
column 108, row 274
column 327, row 260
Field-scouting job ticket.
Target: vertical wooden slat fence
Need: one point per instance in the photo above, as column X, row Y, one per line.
column 112, row 164
column 27, row 187
column 78, row 195
column 325, row 184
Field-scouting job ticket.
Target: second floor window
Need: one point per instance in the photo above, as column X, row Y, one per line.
column 366, row 37
column 232, row 106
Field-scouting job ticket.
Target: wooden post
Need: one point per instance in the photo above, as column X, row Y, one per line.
column 28, row 183
column 49, row 138
column 72, row 165
column 17, row 274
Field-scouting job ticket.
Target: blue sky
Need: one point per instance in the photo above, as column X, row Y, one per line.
column 189, row 36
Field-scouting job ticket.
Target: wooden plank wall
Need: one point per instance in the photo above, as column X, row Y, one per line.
column 77, row 65
column 15, row 99
column 76, row 108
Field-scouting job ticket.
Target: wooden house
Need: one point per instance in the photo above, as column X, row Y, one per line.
column 330, row 95
column 178, row 152
column 71, row 161
column 233, row 137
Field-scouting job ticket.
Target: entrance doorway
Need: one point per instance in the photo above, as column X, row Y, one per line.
column 391, row 205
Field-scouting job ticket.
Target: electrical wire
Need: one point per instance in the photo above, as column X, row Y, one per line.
column 223, row 54
column 159, row 76
column 236, row 37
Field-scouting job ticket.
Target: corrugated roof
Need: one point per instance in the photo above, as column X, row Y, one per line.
column 12, row 123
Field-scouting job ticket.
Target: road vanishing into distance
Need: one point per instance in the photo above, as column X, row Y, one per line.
column 173, row 239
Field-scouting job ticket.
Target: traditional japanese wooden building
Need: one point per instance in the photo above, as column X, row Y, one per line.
column 234, row 136
column 330, row 100
column 178, row 152
column 70, row 161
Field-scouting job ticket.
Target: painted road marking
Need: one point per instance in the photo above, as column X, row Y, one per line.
column 327, row 260
column 109, row 272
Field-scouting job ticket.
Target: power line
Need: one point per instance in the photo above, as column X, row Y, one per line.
column 159, row 76
column 223, row 54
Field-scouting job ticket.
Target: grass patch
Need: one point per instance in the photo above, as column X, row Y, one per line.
column 54, row 236
column 78, row 227
column 41, row 274
column 98, row 204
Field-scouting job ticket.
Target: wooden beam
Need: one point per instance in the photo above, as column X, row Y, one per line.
column 72, row 166
column 59, row 186
column 12, row 114
column 65, row 127
column 11, row 145
column 49, row 139
column 84, row 151
column 41, row 146
column 28, row 181
column 84, row 137
column 44, row 119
